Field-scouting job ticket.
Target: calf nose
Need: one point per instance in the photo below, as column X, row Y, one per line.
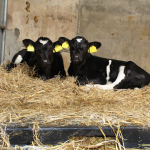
column 45, row 61
column 76, row 56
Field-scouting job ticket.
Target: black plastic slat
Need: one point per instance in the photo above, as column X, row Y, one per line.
column 56, row 135
column 134, row 137
column 19, row 136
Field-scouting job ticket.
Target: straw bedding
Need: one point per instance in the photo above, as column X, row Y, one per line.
column 26, row 100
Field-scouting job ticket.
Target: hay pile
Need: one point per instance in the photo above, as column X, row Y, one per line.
column 27, row 100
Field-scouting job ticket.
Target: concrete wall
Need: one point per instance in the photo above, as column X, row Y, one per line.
column 50, row 18
column 122, row 26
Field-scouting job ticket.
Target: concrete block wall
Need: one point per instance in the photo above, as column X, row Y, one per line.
column 122, row 26
column 50, row 18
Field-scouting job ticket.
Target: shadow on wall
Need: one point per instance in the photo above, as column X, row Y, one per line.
column 12, row 46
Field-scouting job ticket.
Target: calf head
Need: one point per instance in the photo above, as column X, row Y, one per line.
column 43, row 49
column 79, row 48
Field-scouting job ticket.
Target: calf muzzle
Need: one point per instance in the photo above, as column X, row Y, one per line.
column 76, row 58
column 45, row 61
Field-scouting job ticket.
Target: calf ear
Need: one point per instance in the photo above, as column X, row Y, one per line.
column 63, row 39
column 29, row 44
column 26, row 42
column 94, row 46
column 64, row 42
column 57, row 47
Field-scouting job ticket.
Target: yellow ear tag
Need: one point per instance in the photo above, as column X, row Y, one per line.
column 65, row 45
column 92, row 49
column 57, row 48
column 30, row 48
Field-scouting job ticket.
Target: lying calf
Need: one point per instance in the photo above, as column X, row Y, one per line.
column 104, row 73
column 42, row 55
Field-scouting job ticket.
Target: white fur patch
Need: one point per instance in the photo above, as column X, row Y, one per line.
column 120, row 77
column 79, row 40
column 109, row 83
column 43, row 41
column 108, row 71
column 18, row 59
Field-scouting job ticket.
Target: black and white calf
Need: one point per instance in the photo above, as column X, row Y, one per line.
column 42, row 55
column 20, row 57
column 104, row 73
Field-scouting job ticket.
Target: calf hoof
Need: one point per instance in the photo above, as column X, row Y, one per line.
column 79, row 83
column 10, row 66
column 43, row 77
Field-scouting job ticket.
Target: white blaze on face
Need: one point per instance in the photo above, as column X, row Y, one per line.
column 120, row 77
column 108, row 71
column 43, row 41
column 79, row 39
column 18, row 59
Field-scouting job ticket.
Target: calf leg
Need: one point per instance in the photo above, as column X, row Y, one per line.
column 43, row 77
column 121, row 76
column 96, row 79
